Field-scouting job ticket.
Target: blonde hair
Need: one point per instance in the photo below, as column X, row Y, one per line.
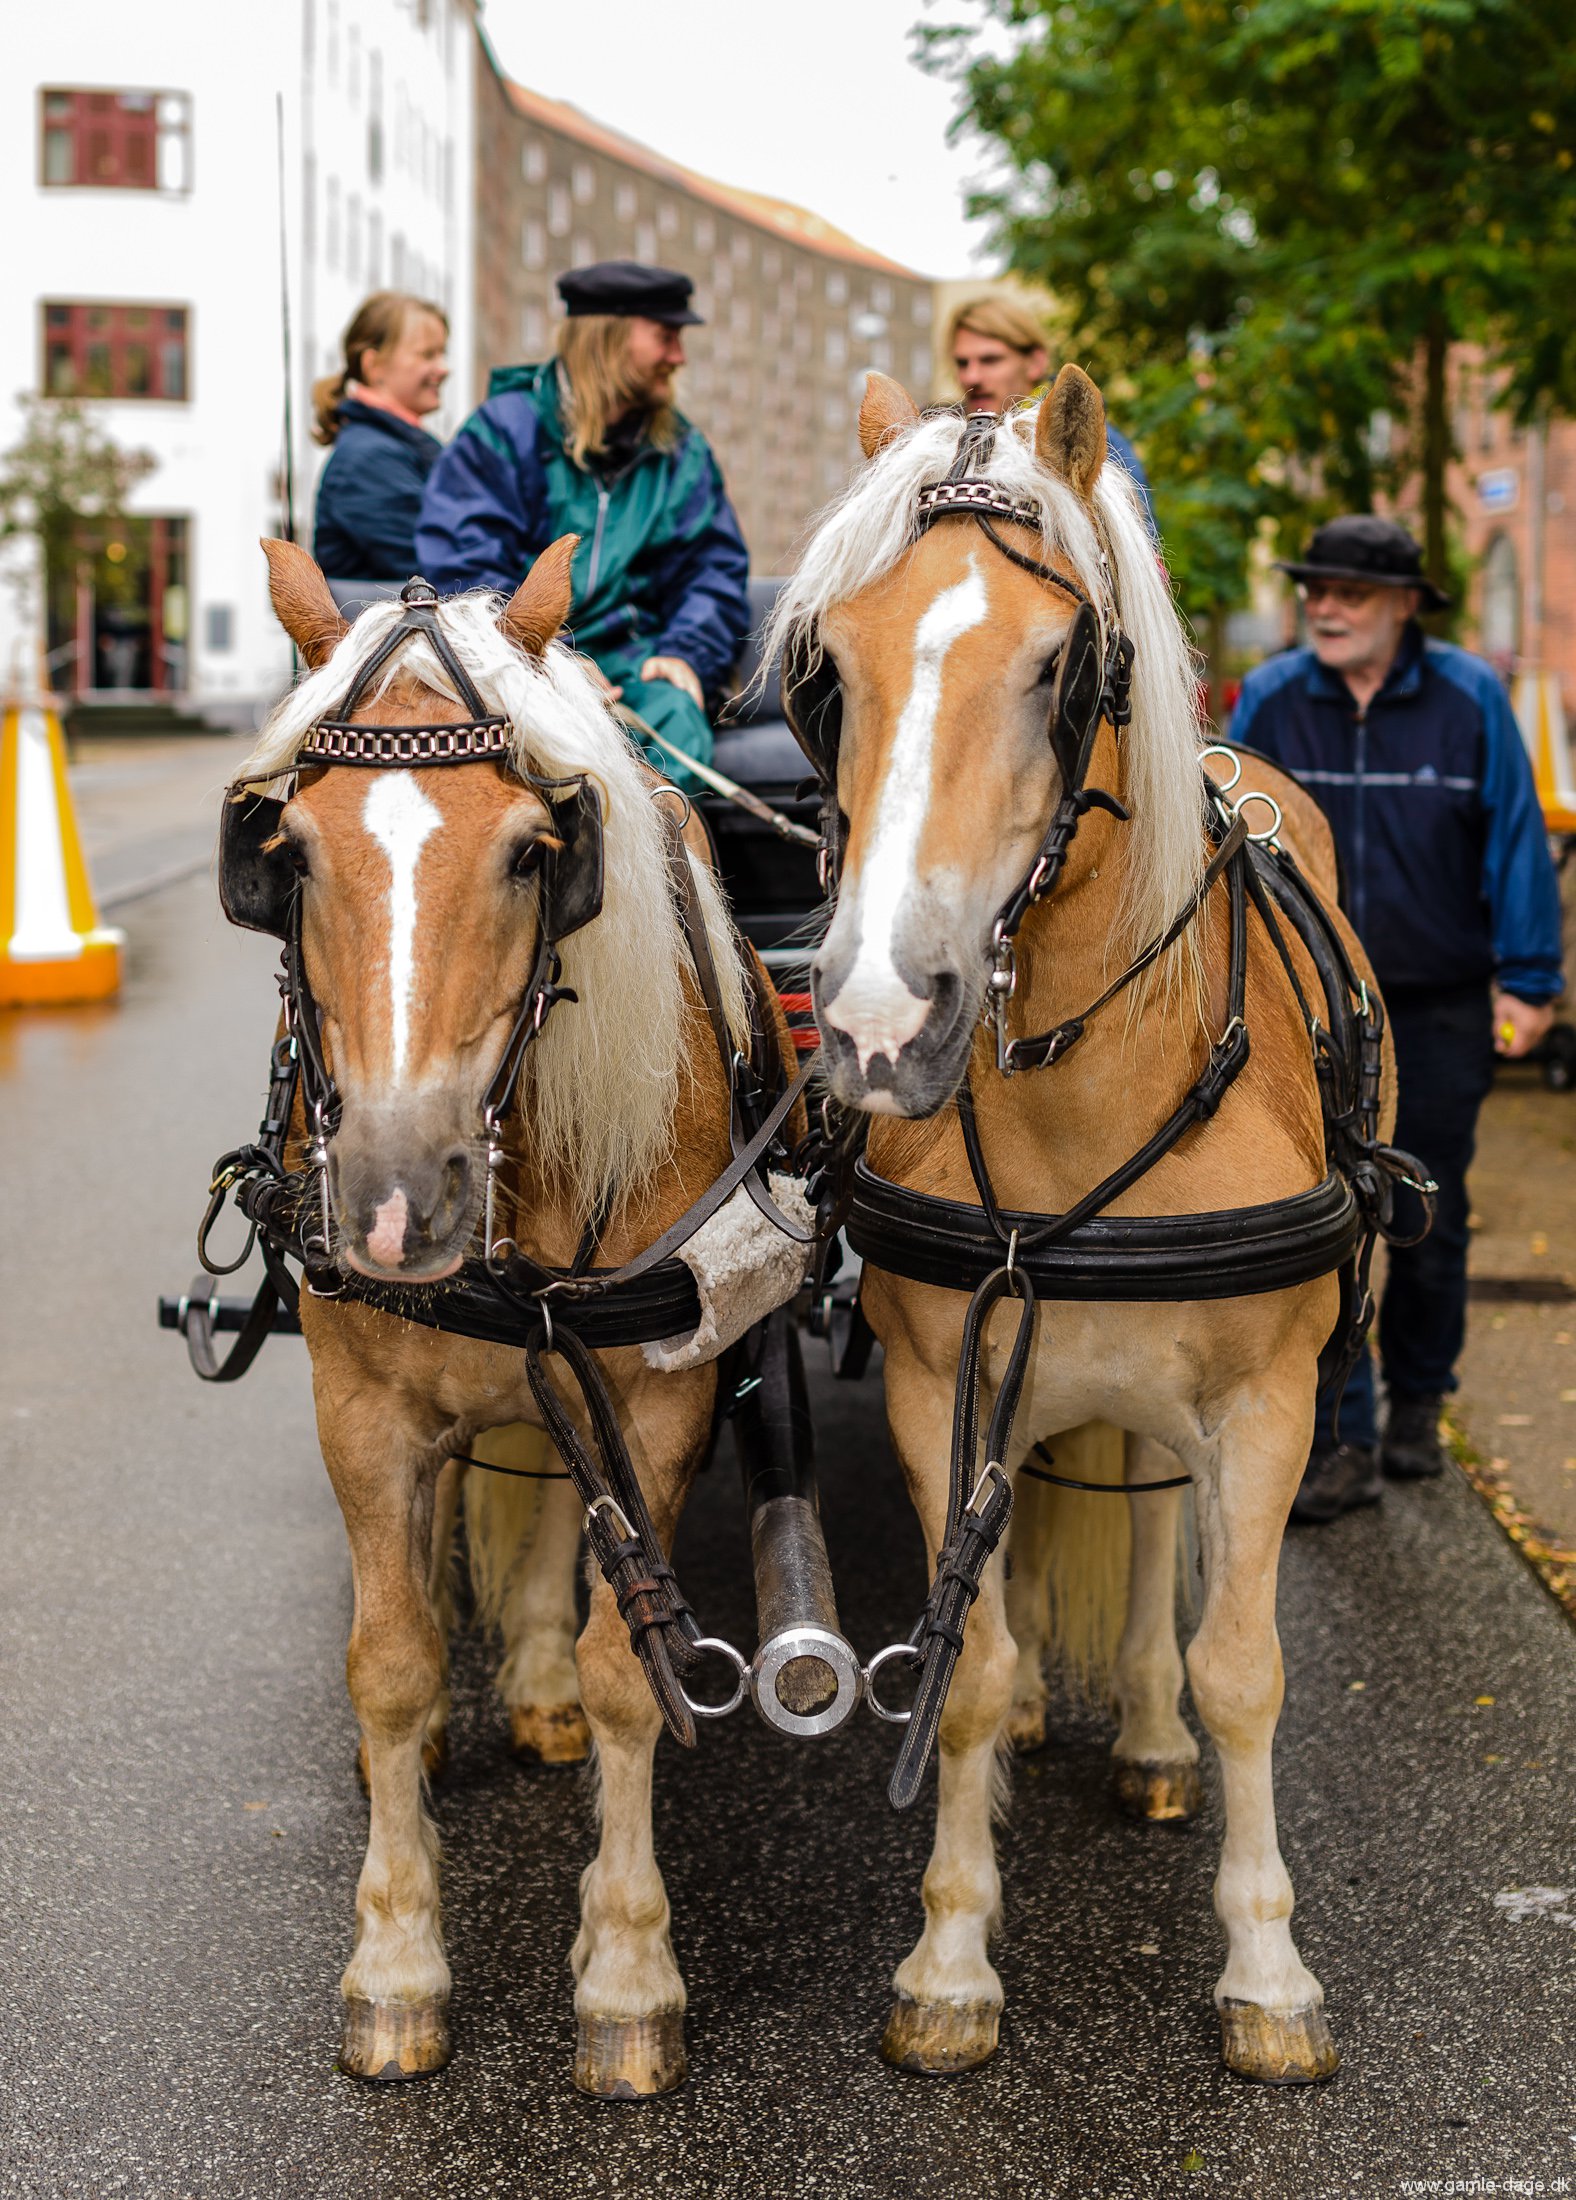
column 595, row 386
column 377, row 325
column 999, row 316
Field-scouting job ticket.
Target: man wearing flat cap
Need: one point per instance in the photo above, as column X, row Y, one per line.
column 590, row 443
column 1409, row 747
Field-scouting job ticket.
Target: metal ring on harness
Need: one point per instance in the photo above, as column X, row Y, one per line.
column 1266, row 838
column 915, row 1656
column 667, row 787
column 741, row 1668
column 1219, row 748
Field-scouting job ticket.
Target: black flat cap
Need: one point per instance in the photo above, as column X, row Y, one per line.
column 625, row 286
column 1364, row 547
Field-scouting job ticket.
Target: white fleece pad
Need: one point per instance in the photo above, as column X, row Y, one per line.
column 744, row 1268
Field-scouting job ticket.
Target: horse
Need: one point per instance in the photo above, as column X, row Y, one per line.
column 422, row 928
column 922, row 661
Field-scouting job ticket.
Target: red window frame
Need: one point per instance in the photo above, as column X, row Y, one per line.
column 129, row 349
column 107, row 140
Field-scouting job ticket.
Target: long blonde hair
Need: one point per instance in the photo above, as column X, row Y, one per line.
column 595, row 385
column 377, row 325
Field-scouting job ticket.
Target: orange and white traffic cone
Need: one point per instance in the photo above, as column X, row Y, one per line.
column 52, row 945
column 1540, row 713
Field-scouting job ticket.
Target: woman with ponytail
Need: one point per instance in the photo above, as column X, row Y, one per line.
column 370, row 412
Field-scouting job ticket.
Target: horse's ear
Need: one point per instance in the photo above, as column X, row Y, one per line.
column 301, row 597
column 886, row 411
column 540, row 605
column 1069, row 435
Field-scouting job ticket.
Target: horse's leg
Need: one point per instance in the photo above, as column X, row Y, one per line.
column 396, row 1984
column 1273, row 2025
column 1155, row 1757
column 440, row 1587
column 948, row 2000
column 525, row 1541
column 629, row 1994
column 1028, row 1609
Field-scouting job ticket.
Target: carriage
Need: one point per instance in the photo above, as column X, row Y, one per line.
column 980, row 663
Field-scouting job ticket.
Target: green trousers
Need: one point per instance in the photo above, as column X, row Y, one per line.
column 667, row 708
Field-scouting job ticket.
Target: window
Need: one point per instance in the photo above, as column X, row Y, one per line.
column 116, row 351
column 919, row 308
column 533, row 243
column 219, row 628
column 533, row 161
column 771, row 264
column 646, row 241
column 375, row 253
column 375, row 120
column 625, row 202
column 115, row 141
column 836, row 287
column 1500, row 623
column 583, row 179
column 881, row 297
column 533, row 328
column 582, row 251
column 558, row 209
column 331, row 221
column 705, row 232
column 741, row 248
column 920, row 366
column 353, row 238
column 836, row 346
column 668, row 218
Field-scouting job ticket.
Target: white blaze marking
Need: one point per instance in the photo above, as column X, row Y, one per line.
column 399, row 817
column 874, row 1005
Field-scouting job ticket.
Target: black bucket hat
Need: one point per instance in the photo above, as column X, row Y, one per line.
column 629, row 287
column 1364, row 547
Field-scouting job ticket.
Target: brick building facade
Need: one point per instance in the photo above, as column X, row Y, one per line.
column 1513, row 491
column 796, row 312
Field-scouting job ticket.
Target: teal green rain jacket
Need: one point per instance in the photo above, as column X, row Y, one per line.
column 661, row 570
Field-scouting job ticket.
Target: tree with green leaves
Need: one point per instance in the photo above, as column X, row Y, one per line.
column 63, row 486
column 1269, row 221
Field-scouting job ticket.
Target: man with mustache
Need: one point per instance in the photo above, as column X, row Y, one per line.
column 1410, row 748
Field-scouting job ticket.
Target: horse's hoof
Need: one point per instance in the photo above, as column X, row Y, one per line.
column 554, row 1734
column 1159, row 1794
column 630, row 2058
column 434, row 1761
column 1026, row 1728
column 1277, row 2046
column 389, row 2041
column 940, row 2037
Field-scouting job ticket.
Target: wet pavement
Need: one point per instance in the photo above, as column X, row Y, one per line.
column 180, row 1827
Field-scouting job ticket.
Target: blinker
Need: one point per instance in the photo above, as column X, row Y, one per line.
column 257, row 880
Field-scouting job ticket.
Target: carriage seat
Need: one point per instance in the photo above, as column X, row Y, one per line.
column 754, row 743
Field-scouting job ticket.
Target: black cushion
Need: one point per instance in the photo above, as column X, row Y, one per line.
column 753, row 704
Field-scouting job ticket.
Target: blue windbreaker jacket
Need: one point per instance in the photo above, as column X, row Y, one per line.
column 661, row 570
column 1429, row 793
column 369, row 496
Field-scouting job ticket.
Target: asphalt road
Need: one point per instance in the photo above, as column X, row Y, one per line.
column 180, row 1827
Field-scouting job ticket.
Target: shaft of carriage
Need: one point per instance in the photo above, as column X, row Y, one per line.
column 805, row 1677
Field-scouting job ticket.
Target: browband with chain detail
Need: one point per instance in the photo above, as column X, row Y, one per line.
column 469, row 742
column 975, row 496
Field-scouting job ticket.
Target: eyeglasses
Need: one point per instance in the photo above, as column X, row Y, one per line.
column 1350, row 595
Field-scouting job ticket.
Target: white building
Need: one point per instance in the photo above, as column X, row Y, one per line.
column 140, row 176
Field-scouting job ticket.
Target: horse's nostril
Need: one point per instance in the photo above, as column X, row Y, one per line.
column 455, row 1181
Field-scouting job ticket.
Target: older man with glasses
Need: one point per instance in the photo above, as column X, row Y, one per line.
column 1410, row 748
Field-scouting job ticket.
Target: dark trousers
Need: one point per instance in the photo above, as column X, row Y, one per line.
column 1444, row 1046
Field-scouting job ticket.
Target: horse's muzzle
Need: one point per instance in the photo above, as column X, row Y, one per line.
column 405, row 1209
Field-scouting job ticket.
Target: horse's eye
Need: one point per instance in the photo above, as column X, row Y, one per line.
column 1049, row 669
column 527, row 860
column 295, row 856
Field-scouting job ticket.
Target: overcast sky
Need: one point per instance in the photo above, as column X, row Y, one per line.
column 817, row 101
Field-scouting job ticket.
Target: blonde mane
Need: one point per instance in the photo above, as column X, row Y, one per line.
column 604, row 1078
column 866, row 530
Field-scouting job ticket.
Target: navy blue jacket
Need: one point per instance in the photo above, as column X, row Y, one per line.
column 1429, row 793
column 661, row 570
column 369, row 497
